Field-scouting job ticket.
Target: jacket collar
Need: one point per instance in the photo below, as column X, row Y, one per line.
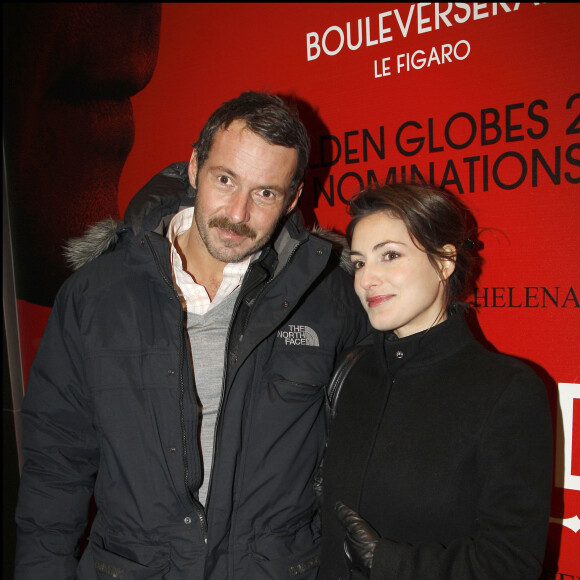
column 427, row 347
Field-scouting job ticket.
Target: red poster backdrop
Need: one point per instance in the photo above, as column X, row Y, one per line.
column 481, row 98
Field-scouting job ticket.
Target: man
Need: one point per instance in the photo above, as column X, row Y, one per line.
column 181, row 376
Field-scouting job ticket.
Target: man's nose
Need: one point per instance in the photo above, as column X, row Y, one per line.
column 238, row 208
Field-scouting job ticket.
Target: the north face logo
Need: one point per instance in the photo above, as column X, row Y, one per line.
column 297, row 334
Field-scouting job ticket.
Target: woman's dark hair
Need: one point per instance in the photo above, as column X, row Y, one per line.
column 265, row 115
column 434, row 218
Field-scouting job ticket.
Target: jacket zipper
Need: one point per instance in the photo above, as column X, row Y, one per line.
column 196, row 505
column 224, row 377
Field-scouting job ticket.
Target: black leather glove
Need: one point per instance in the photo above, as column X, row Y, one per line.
column 361, row 539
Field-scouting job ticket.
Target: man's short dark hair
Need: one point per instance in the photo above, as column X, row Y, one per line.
column 266, row 115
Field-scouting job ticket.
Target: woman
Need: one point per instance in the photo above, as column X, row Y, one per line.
column 439, row 458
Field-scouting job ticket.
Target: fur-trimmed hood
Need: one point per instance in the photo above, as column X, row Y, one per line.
column 104, row 235
column 98, row 238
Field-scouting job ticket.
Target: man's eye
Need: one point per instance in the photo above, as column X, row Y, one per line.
column 224, row 179
column 265, row 196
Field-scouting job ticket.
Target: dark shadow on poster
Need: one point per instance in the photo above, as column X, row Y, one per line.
column 68, row 123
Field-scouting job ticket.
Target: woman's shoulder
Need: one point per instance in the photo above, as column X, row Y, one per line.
column 498, row 376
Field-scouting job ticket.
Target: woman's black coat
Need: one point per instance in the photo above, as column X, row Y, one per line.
column 446, row 450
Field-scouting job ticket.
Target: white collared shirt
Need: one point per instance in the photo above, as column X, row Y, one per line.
column 194, row 296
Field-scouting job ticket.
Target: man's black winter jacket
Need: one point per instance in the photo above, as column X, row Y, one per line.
column 110, row 408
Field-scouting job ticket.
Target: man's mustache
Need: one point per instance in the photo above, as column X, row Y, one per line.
column 224, row 223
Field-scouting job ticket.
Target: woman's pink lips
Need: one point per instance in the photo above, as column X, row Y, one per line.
column 373, row 301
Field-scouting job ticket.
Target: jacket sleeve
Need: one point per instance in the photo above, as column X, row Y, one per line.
column 357, row 328
column 61, row 453
column 515, row 475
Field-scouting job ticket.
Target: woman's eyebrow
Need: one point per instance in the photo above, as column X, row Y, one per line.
column 377, row 247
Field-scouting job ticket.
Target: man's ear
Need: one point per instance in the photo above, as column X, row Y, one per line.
column 192, row 169
column 294, row 199
column 447, row 264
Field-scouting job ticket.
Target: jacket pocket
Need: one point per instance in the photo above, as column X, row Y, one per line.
column 123, row 562
column 291, row 554
column 294, row 392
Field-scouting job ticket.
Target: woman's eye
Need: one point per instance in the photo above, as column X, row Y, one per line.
column 388, row 256
column 358, row 264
